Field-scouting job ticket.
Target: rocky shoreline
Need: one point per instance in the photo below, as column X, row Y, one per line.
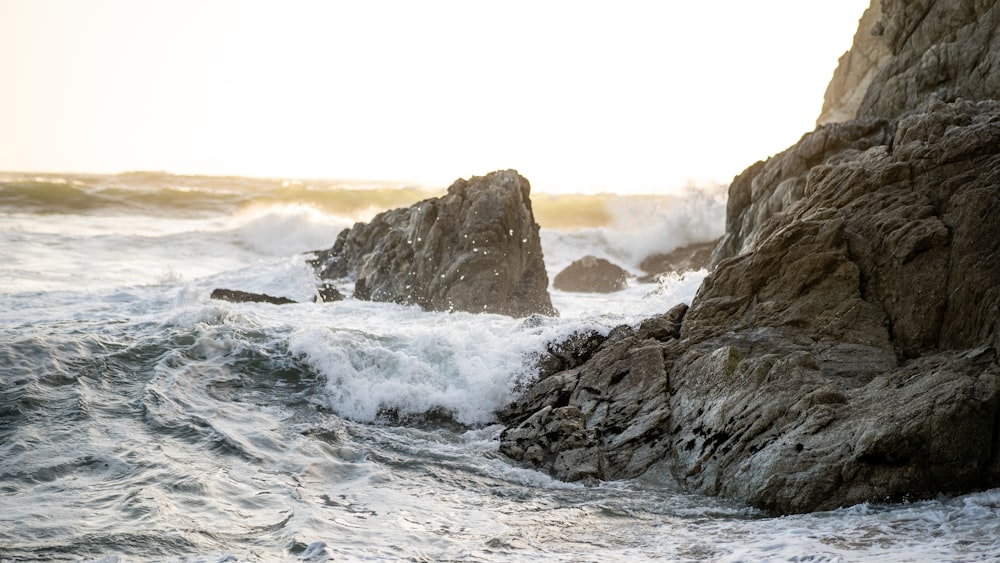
column 844, row 349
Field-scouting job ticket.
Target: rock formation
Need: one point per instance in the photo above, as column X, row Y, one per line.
column 237, row 296
column 856, row 69
column 475, row 249
column 907, row 52
column 591, row 275
column 844, row 349
column 324, row 294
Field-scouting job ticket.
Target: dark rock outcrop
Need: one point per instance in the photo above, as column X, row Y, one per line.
column 768, row 188
column 848, row 354
column 475, row 249
column 603, row 417
column 591, row 275
column 237, row 296
column 326, row 293
column 844, row 349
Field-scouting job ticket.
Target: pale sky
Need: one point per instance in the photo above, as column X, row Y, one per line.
column 619, row 96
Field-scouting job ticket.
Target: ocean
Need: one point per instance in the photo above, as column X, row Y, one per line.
column 141, row 420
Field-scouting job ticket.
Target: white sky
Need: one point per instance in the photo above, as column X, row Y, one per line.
column 619, row 96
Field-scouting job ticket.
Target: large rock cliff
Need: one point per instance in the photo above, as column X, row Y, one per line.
column 844, row 349
column 907, row 52
column 476, row 249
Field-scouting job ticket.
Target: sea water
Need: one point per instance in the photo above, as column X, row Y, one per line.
column 142, row 420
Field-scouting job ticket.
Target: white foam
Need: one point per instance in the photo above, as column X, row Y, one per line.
column 378, row 356
column 405, row 359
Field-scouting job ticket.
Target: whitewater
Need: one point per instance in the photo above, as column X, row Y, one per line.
column 141, row 420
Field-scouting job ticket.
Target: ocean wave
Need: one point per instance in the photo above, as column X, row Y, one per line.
column 161, row 194
column 640, row 226
column 52, row 196
column 283, row 230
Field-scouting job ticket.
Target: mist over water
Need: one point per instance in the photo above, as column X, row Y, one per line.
column 141, row 420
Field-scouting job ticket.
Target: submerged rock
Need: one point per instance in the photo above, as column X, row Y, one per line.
column 324, row 294
column 237, row 296
column 327, row 293
column 591, row 275
column 844, row 349
column 475, row 249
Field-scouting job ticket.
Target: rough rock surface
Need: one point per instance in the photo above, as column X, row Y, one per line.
column 603, row 417
column 907, row 52
column 591, row 275
column 856, row 69
column 475, row 249
column 843, row 350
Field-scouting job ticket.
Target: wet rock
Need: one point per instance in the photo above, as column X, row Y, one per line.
column 569, row 353
column 601, row 420
column 327, row 293
column 237, row 296
column 591, row 275
column 475, row 249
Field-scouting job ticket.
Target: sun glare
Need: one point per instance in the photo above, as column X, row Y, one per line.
column 578, row 96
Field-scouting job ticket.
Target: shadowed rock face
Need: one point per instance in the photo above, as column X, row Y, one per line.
column 476, row 249
column 844, row 349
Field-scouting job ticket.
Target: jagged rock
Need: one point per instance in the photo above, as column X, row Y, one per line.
column 601, row 420
column 324, row 294
column 685, row 259
column 856, row 69
column 591, row 275
column 237, row 296
column 907, row 52
column 906, row 55
column 475, row 249
column 327, row 293
column 602, row 416
column 768, row 187
column 844, row 349
column 571, row 352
